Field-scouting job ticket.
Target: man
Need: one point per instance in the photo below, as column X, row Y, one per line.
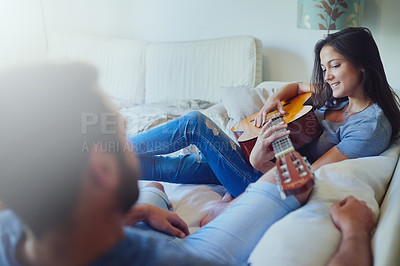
column 69, row 177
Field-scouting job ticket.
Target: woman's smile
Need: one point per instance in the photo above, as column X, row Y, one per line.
column 343, row 77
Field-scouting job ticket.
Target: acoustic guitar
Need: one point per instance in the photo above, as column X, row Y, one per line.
column 299, row 116
column 294, row 174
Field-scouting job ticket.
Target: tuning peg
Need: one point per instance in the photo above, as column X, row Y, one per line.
column 279, row 184
column 283, row 195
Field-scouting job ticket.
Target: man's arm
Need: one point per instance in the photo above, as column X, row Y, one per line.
column 160, row 219
column 355, row 221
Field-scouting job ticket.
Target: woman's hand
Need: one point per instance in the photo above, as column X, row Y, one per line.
column 262, row 151
column 159, row 219
column 272, row 103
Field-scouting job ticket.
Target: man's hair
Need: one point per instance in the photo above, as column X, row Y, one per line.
column 50, row 117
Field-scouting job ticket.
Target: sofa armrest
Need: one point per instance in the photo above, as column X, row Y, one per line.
column 386, row 240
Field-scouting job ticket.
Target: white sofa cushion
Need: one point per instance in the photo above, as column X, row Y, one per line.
column 120, row 62
column 386, row 239
column 242, row 102
column 196, row 70
column 308, row 234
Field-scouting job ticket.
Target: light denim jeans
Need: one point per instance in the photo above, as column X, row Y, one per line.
column 221, row 160
column 231, row 237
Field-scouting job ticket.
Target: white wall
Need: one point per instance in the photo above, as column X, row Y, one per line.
column 383, row 18
column 287, row 51
column 22, row 35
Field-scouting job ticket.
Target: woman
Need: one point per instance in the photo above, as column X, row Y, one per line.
column 357, row 109
column 353, row 98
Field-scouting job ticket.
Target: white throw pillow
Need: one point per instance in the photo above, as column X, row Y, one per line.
column 241, row 102
column 307, row 236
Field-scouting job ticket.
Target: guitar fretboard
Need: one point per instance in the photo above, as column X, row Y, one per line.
column 282, row 145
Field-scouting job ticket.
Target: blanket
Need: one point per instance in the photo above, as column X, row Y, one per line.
column 142, row 117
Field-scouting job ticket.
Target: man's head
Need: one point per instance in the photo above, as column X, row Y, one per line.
column 53, row 119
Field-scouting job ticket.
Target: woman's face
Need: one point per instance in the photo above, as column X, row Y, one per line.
column 344, row 78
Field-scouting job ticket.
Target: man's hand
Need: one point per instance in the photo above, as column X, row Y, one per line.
column 351, row 216
column 160, row 219
column 355, row 220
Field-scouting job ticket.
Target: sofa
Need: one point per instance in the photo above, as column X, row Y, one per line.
column 152, row 83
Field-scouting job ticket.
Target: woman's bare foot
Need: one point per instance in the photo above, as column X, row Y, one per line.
column 156, row 185
column 160, row 187
column 217, row 209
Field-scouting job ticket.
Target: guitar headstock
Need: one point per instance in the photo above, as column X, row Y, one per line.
column 294, row 174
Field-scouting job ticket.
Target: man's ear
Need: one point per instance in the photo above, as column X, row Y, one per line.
column 103, row 167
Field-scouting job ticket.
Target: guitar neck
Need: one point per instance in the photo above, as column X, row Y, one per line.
column 282, row 145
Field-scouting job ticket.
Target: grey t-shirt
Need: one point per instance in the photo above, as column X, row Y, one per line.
column 367, row 133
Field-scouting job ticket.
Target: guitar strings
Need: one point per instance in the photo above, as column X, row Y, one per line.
column 282, row 144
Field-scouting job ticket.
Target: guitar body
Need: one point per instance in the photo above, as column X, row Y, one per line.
column 293, row 172
column 300, row 118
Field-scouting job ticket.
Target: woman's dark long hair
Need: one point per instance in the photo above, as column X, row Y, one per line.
column 358, row 46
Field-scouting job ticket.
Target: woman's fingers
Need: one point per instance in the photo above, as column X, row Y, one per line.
column 269, row 106
column 270, row 134
column 265, row 127
column 266, row 131
column 278, row 135
column 259, row 119
column 280, row 108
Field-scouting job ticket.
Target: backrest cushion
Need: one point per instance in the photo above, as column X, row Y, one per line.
column 120, row 62
column 386, row 239
column 197, row 70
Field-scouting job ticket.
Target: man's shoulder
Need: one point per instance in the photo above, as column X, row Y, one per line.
column 9, row 221
column 10, row 232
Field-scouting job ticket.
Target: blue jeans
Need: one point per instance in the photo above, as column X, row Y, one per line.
column 232, row 236
column 221, row 160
